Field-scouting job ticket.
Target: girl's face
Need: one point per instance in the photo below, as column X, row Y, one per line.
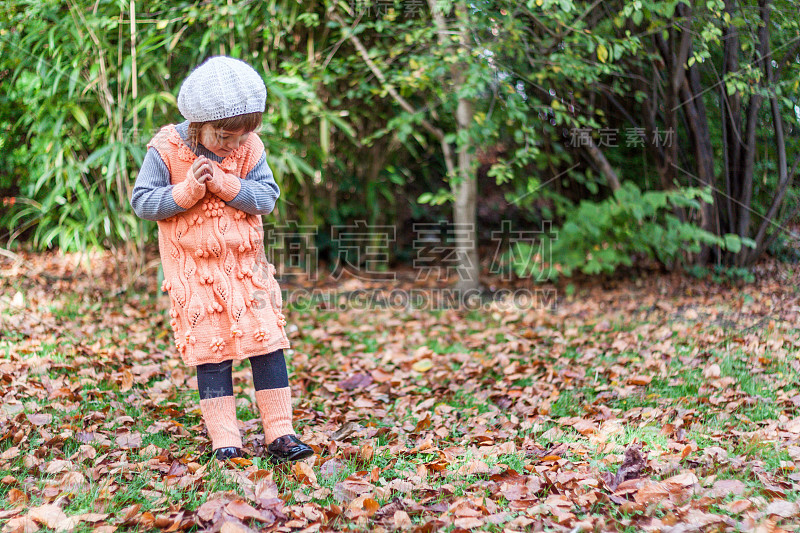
column 221, row 142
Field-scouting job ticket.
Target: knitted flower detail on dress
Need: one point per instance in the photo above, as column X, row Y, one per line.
column 225, row 302
column 184, row 153
column 229, row 163
column 217, row 344
column 261, row 335
column 244, row 273
column 212, row 207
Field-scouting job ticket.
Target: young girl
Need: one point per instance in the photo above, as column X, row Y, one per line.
column 207, row 183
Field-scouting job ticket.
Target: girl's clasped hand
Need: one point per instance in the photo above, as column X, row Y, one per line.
column 204, row 173
column 202, row 169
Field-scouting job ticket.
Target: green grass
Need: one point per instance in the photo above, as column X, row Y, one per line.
column 584, row 386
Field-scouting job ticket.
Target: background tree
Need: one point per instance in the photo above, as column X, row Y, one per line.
column 389, row 115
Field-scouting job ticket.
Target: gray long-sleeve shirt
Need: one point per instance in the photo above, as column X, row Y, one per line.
column 152, row 193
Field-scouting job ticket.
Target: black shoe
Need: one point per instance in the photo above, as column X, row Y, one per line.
column 288, row 448
column 227, row 453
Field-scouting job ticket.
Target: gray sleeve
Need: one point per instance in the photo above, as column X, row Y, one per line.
column 152, row 198
column 259, row 191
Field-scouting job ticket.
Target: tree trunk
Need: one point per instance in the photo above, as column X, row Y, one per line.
column 465, row 186
column 465, row 190
column 784, row 175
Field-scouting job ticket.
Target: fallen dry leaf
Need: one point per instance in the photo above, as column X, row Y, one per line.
column 712, row 371
column 632, row 465
column 49, row 515
column 348, row 490
column 423, row 365
column 402, row 520
column 640, row 380
column 304, row 473
column 724, row 487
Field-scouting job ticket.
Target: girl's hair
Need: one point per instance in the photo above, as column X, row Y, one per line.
column 247, row 122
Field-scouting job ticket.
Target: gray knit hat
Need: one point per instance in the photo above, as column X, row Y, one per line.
column 221, row 87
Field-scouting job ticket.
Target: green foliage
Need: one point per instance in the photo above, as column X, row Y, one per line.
column 721, row 274
column 784, row 250
column 438, row 198
column 599, row 237
column 84, row 96
column 87, row 83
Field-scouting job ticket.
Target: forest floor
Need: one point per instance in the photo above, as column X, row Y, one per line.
column 645, row 402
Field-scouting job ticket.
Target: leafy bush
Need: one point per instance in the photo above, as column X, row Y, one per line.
column 598, row 237
column 80, row 102
column 721, row 274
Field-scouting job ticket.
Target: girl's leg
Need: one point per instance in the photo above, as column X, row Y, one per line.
column 218, row 405
column 273, row 394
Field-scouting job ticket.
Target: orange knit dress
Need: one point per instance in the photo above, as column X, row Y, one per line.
column 225, row 300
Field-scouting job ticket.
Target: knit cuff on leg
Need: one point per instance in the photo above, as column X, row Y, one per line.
column 219, row 415
column 275, row 406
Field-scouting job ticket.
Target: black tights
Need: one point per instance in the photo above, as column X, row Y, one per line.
column 216, row 379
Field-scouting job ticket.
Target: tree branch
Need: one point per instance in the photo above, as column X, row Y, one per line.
column 600, row 160
column 438, row 133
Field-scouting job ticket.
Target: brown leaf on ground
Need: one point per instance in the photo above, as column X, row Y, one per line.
column 234, row 526
column 632, row 465
column 356, row 381
column 475, row 466
column 49, row 515
column 348, row 490
column 402, row 520
column 651, row 492
column 723, row 487
column 346, row 430
column 331, row 467
column 640, row 380
column 304, row 473
column 388, row 510
column 16, row 497
column 244, row 511
column 40, row 419
column 266, row 489
column 781, row 508
column 712, row 371
column 211, row 510
column 21, row 524
column 129, row 440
